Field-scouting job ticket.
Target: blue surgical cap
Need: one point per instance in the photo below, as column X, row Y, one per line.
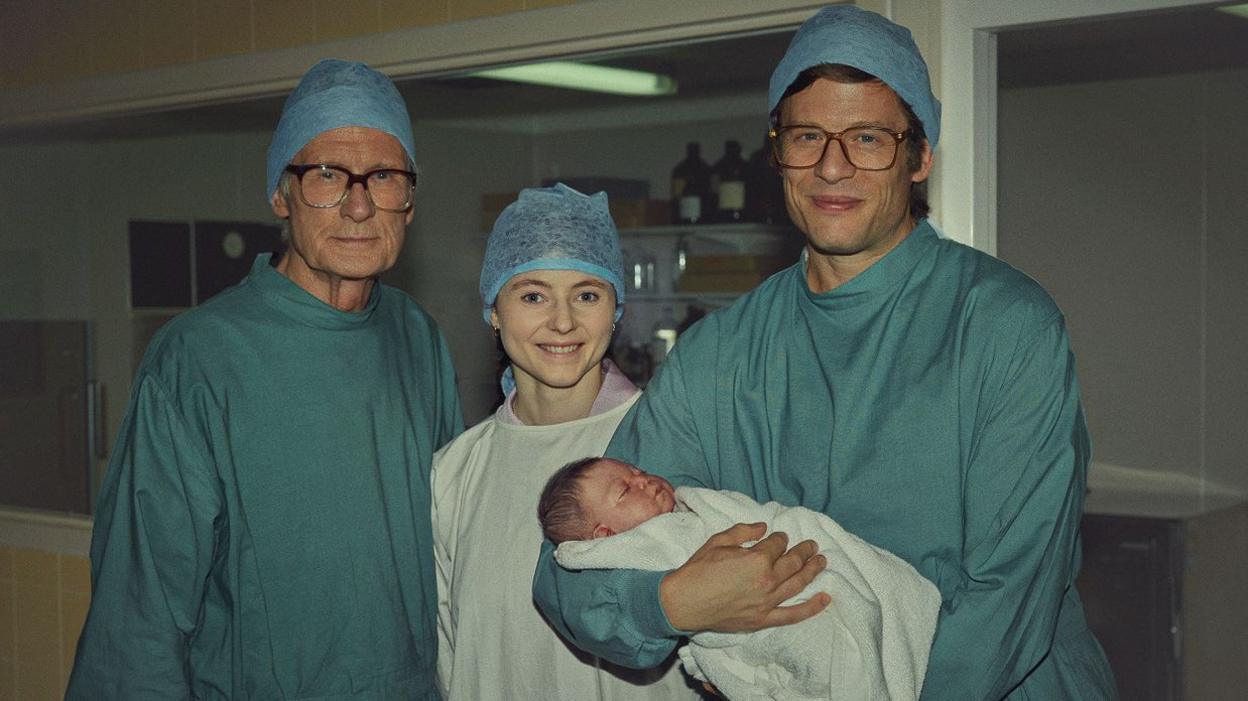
column 335, row 94
column 552, row 228
column 851, row 36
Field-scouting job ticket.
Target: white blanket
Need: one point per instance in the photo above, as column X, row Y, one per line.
column 872, row 642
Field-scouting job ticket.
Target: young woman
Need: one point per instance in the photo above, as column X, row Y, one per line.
column 552, row 289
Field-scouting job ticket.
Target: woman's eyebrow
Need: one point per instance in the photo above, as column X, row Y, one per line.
column 522, row 282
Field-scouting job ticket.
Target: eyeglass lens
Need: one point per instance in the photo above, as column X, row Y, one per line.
column 326, row 186
column 867, row 148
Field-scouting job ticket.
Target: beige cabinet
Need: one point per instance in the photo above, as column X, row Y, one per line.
column 1163, row 582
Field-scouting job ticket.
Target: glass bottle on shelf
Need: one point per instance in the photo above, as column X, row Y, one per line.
column 729, row 184
column 663, row 336
column 631, row 281
column 680, row 261
column 638, row 270
column 764, row 192
column 691, row 187
column 755, row 183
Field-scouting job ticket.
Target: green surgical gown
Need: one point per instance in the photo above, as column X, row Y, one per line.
column 263, row 529
column 929, row 406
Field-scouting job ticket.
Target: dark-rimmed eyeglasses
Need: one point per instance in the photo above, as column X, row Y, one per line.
column 866, row 148
column 324, row 186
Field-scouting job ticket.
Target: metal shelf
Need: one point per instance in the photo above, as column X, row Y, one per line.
column 657, row 243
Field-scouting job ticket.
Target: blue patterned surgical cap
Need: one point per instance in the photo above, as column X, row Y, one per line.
column 552, row 228
column 859, row 38
column 335, row 94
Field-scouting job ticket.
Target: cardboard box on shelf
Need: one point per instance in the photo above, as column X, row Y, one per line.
column 720, row 282
column 728, row 273
column 628, row 213
column 734, row 263
column 658, row 212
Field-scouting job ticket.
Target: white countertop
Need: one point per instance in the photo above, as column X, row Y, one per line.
column 45, row 530
column 1114, row 490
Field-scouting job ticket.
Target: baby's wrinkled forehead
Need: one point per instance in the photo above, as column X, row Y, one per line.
column 595, row 475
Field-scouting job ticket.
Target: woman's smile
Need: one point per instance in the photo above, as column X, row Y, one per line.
column 564, row 349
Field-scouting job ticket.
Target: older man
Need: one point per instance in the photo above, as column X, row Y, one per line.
column 263, row 528
column 921, row 393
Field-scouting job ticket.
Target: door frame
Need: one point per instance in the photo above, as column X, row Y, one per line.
column 967, row 86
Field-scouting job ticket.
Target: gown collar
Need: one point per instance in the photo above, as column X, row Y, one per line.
column 883, row 275
column 299, row 304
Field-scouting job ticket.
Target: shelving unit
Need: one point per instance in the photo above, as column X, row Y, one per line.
column 659, row 244
column 654, row 248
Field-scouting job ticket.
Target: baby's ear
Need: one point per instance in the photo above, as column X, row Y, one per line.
column 601, row 531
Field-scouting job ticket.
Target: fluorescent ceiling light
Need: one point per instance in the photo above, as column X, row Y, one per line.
column 1241, row 10
column 585, row 76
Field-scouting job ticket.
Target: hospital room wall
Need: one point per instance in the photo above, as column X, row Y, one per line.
column 65, row 232
column 1127, row 200
column 65, row 249
column 67, row 40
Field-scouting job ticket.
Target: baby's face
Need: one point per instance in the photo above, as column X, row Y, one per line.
column 617, row 497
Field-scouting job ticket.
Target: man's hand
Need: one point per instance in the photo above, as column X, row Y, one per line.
column 731, row 589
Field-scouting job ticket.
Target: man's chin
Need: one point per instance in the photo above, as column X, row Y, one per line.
column 356, row 269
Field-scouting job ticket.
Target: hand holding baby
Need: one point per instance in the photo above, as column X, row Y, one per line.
column 730, row 588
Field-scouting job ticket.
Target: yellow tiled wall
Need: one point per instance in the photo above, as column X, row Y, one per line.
column 47, row 41
column 43, row 602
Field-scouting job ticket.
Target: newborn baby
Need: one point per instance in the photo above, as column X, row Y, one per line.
column 872, row 642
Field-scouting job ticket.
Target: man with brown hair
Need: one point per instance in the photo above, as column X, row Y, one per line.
column 919, row 392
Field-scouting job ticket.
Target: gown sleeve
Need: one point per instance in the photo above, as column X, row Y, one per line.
column 1024, row 489
column 616, row 614
column 444, row 493
column 159, row 524
column 444, row 563
column 451, row 419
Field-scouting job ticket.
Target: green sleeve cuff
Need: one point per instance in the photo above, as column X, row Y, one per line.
column 641, row 589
